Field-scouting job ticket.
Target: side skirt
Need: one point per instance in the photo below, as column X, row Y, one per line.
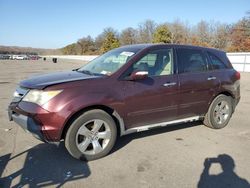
column 157, row 125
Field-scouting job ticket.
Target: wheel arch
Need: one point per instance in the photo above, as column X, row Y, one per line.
column 114, row 114
column 233, row 99
column 227, row 93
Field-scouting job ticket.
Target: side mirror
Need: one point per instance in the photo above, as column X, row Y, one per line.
column 138, row 75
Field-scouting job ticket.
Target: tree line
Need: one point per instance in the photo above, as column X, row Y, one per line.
column 229, row 37
column 28, row 50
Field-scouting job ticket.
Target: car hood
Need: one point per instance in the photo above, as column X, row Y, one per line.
column 42, row 81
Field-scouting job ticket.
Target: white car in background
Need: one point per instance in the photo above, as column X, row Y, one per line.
column 19, row 57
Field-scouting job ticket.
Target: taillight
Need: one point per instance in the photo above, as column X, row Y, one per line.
column 237, row 75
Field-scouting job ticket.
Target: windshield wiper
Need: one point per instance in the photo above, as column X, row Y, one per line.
column 89, row 72
column 85, row 72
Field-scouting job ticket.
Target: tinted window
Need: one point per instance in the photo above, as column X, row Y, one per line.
column 157, row 62
column 191, row 60
column 216, row 62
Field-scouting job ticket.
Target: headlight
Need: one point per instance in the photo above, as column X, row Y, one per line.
column 40, row 97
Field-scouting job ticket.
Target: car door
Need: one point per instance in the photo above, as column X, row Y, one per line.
column 197, row 85
column 153, row 99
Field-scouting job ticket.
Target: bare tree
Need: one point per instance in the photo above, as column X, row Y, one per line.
column 146, row 31
column 201, row 34
column 221, row 36
column 180, row 32
column 128, row 36
column 86, row 44
column 240, row 36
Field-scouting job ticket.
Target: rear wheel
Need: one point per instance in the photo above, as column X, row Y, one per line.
column 219, row 112
column 91, row 136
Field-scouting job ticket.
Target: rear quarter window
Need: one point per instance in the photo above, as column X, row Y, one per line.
column 216, row 62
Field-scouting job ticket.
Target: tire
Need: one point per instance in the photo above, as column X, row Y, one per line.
column 91, row 136
column 219, row 112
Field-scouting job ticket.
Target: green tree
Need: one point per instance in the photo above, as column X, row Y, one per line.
column 99, row 40
column 70, row 49
column 110, row 42
column 162, row 34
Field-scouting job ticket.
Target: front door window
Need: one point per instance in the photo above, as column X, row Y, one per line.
column 157, row 63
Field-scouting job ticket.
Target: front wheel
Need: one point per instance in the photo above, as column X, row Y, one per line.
column 91, row 136
column 219, row 112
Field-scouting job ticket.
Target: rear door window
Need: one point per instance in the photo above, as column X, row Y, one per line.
column 191, row 60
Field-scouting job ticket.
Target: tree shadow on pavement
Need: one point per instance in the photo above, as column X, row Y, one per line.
column 124, row 140
column 226, row 179
column 44, row 165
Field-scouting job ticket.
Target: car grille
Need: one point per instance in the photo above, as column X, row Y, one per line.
column 19, row 94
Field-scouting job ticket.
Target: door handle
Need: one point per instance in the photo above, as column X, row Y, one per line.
column 211, row 78
column 169, row 84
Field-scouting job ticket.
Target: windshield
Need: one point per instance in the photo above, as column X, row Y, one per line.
column 108, row 63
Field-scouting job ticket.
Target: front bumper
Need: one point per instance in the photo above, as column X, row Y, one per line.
column 27, row 123
column 43, row 124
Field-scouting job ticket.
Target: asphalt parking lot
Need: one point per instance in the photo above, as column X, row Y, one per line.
column 175, row 156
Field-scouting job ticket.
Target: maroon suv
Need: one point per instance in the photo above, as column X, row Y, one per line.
column 129, row 89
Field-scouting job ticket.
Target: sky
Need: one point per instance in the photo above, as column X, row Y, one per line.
column 57, row 23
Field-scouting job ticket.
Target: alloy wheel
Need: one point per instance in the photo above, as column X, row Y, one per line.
column 221, row 112
column 93, row 137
